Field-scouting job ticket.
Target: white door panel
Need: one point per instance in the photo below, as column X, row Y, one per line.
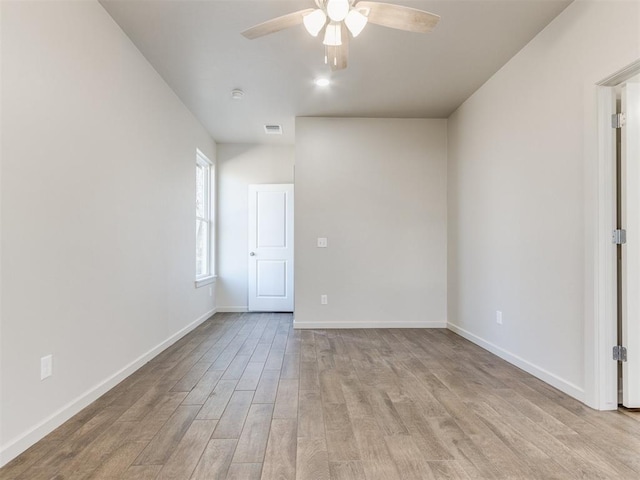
column 631, row 251
column 271, row 248
column 271, row 219
column 271, row 276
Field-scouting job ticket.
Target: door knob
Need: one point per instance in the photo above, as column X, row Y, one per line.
column 253, row 254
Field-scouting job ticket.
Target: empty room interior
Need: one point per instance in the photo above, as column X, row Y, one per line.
column 415, row 252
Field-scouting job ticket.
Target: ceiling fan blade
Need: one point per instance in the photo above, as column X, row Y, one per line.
column 276, row 24
column 397, row 16
column 337, row 57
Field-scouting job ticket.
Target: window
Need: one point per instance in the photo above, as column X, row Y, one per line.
column 204, row 220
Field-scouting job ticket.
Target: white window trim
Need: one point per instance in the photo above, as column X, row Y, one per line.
column 210, row 276
column 206, row 281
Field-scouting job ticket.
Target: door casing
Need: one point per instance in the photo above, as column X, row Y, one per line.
column 601, row 369
column 270, row 254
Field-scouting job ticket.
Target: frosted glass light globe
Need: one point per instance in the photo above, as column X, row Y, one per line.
column 337, row 9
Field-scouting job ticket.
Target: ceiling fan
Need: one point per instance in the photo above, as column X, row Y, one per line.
column 338, row 18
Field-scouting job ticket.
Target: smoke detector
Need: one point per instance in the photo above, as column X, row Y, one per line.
column 237, row 94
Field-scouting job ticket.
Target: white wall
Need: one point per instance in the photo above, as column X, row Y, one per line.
column 239, row 166
column 376, row 188
column 1, row 209
column 522, row 196
column 98, row 195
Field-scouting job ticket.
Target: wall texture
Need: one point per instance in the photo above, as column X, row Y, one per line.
column 376, row 188
column 238, row 167
column 98, row 258
column 522, row 195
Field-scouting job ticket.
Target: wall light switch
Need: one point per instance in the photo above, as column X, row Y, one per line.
column 322, row 242
column 324, row 300
column 46, row 367
column 498, row 317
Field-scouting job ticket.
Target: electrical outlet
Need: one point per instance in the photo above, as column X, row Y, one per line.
column 498, row 317
column 211, row 291
column 46, row 367
column 324, row 299
column 322, row 242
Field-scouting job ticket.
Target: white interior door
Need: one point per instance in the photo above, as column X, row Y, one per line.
column 271, row 248
column 630, row 143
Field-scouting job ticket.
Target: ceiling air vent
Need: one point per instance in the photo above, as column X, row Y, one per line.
column 273, row 129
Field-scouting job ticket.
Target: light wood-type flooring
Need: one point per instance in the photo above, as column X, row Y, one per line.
column 244, row 396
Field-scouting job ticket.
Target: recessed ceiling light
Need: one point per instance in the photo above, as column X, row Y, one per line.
column 322, row 82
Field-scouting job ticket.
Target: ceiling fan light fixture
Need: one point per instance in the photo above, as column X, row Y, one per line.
column 314, row 22
column 355, row 22
column 337, row 9
column 345, row 18
column 333, row 35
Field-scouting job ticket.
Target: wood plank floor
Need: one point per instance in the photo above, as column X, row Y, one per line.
column 244, row 396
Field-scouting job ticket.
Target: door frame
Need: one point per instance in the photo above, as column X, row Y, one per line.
column 290, row 187
column 600, row 366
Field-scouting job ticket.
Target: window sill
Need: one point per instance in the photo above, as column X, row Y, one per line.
column 201, row 282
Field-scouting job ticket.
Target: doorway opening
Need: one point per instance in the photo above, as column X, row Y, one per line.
column 619, row 265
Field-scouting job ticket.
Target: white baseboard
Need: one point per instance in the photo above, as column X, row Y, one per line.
column 232, row 309
column 560, row 383
column 15, row 447
column 385, row 324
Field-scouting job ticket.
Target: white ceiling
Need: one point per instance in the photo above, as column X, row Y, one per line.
column 197, row 48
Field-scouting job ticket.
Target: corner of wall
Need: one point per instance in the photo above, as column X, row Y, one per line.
column 16, row 446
